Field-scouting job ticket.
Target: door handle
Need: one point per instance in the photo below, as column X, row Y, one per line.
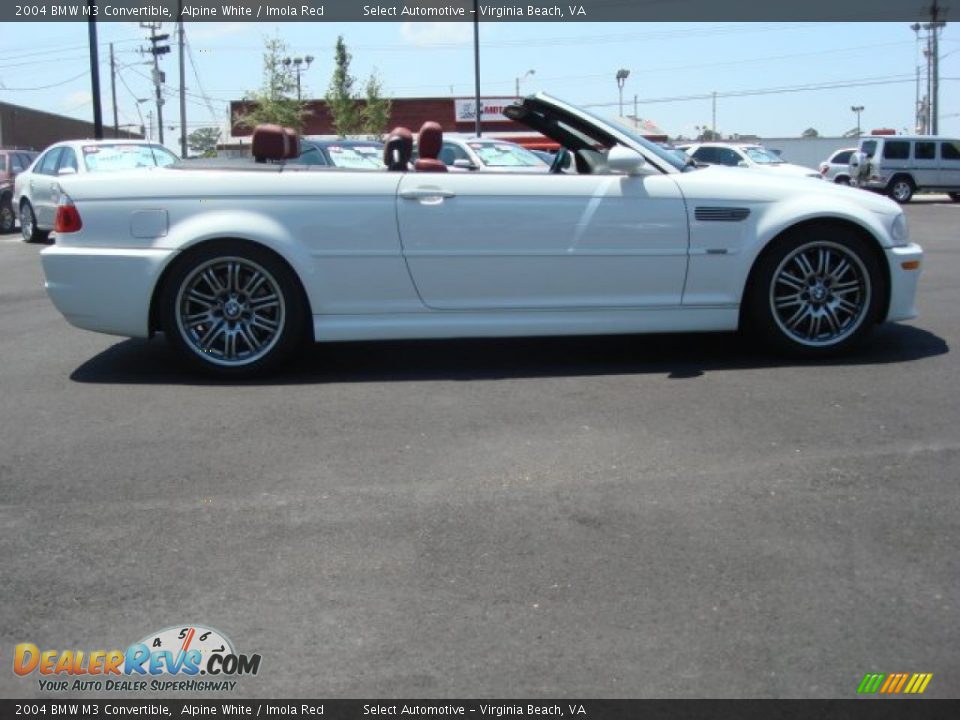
column 425, row 193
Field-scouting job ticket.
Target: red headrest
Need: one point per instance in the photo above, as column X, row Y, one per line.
column 273, row 142
column 293, row 143
column 398, row 149
column 431, row 139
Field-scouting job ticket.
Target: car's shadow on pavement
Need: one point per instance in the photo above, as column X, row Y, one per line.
column 677, row 356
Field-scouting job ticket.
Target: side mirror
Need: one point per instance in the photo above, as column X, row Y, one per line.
column 67, row 171
column 621, row 159
column 464, row 164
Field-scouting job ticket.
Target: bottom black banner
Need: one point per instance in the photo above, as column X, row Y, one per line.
column 875, row 709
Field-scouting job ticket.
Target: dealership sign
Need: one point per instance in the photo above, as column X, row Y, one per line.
column 491, row 109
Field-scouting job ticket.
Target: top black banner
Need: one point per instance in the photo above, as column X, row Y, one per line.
column 470, row 11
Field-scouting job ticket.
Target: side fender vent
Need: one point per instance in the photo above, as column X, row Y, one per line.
column 721, row 214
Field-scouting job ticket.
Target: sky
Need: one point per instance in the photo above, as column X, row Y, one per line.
column 674, row 69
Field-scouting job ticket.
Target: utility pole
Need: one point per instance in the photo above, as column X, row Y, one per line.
column 113, row 91
column 94, row 71
column 636, row 112
column 156, row 49
column 183, row 85
column 935, row 26
column 713, row 122
column 476, row 65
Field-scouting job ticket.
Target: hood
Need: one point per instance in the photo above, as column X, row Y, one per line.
column 787, row 169
column 724, row 184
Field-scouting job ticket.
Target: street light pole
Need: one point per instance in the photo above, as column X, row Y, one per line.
column 857, row 109
column 527, row 74
column 299, row 62
column 622, row 75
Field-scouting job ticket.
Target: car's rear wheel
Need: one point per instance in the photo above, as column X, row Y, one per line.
column 28, row 224
column 233, row 309
column 8, row 218
column 816, row 291
column 901, row 189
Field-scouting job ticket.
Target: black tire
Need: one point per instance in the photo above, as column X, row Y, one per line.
column 28, row 225
column 954, row 196
column 8, row 217
column 771, row 308
column 842, row 180
column 264, row 332
column 901, row 188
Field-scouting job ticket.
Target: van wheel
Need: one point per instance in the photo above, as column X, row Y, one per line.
column 232, row 309
column 901, row 189
column 816, row 292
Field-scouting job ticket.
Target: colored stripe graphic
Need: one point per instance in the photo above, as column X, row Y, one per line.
column 918, row 683
column 894, row 683
column 870, row 683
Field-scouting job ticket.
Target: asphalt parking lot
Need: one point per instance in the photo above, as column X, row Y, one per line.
column 668, row 516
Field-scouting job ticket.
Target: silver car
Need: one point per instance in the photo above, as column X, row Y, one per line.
column 489, row 155
column 37, row 190
column 836, row 168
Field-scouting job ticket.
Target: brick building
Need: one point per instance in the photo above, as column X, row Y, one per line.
column 31, row 129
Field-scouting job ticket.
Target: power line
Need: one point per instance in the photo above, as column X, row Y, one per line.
column 47, row 87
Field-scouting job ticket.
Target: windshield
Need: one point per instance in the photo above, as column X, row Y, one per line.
column 762, row 156
column 107, row 158
column 505, row 155
column 358, row 157
column 673, row 159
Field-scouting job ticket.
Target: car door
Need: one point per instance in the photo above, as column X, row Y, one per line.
column 43, row 185
column 926, row 167
column 491, row 241
column 950, row 164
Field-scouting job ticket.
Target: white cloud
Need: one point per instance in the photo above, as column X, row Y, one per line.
column 76, row 100
column 436, row 33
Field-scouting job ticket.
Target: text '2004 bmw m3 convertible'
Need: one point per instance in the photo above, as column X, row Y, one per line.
column 238, row 264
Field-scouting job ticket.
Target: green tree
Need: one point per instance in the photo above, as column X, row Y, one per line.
column 276, row 100
column 709, row 135
column 376, row 110
column 203, row 141
column 811, row 133
column 342, row 101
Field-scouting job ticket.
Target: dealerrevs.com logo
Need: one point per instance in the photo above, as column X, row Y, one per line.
column 188, row 658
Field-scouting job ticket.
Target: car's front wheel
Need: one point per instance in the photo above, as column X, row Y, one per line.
column 233, row 309
column 816, row 291
column 842, row 180
column 28, row 224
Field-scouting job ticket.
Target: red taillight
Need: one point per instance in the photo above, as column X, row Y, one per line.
column 67, row 219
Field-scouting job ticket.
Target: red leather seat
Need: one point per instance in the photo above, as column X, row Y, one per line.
column 398, row 149
column 273, row 142
column 431, row 140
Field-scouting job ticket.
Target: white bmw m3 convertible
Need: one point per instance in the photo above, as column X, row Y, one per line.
column 237, row 264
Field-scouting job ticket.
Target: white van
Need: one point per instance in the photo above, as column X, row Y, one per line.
column 900, row 165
